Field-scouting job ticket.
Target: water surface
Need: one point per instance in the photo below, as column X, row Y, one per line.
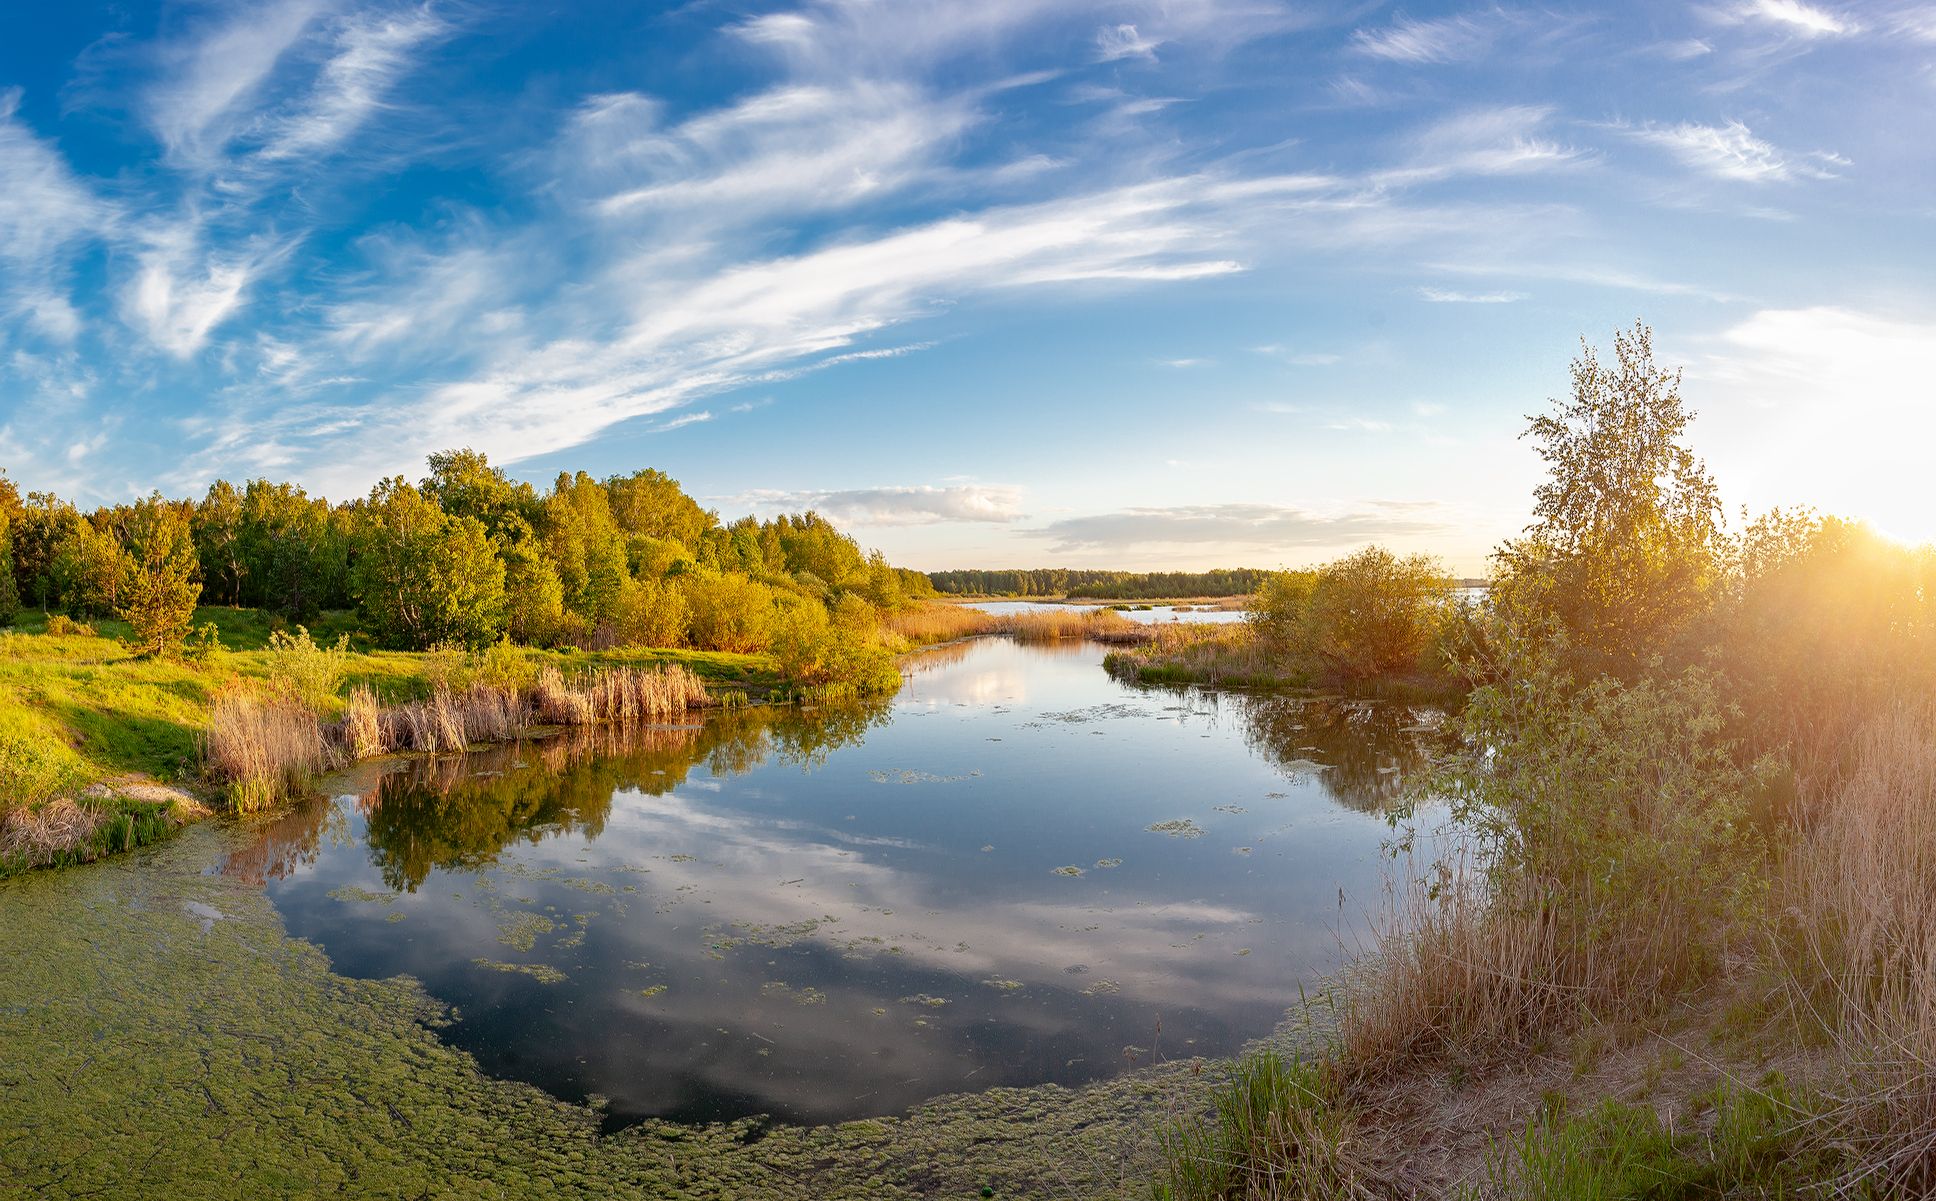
column 1017, row 871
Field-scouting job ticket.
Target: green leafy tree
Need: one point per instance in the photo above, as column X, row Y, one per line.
column 651, row 503
column 159, row 588
column 9, row 593
column 45, row 523
column 88, row 570
column 218, row 539
column 1628, row 550
column 423, row 577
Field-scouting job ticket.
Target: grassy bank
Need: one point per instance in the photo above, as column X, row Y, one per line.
column 88, row 731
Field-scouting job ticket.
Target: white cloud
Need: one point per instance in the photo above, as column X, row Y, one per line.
column 372, row 52
column 1728, row 151
column 1447, row 39
column 1485, row 141
column 1443, row 296
column 1249, row 527
column 897, row 506
column 212, row 76
column 1805, row 19
column 1122, row 41
column 48, row 212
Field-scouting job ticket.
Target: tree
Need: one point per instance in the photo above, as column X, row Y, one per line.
column 1628, row 548
column 218, row 528
column 9, row 593
column 159, row 588
column 424, row 577
column 88, row 569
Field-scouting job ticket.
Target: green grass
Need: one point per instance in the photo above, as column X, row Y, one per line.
column 1759, row 1142
column 89, row 702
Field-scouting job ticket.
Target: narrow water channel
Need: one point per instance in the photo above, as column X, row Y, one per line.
column 1018, row 870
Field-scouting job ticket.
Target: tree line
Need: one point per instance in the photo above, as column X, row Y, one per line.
column 465, row 555
column 1100, row 585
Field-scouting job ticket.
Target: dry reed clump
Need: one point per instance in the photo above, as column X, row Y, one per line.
column 1860, row 892
column 1202, row 651
column 1099, row 625
column 1457, row 970
column 622, row 694
column 938, row 622
column 266, row 746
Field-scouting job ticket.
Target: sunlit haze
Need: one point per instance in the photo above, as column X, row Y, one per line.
column 1003, row 283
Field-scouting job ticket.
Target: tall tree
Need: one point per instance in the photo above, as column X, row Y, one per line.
column 1628, row 548
column 159, row 588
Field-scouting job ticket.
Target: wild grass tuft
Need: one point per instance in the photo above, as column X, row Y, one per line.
column 1275, row 1134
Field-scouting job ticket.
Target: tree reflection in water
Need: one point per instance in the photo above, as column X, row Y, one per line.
column 461, row 811
column 1363, row 754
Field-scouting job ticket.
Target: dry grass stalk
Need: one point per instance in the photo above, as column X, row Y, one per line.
column 1861, row 888
column 1204, row 651
column 363, row 729
column 266, row 746
column 1457, row 972
column 36, row 835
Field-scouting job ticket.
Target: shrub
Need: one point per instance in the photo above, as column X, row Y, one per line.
column 1610, row 860
column 59, row 625
column 305, row 671
column 1367, row 615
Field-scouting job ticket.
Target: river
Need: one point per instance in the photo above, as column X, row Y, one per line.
column 1017, row 870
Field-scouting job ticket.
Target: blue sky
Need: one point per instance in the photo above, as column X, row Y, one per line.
column 1003, row 283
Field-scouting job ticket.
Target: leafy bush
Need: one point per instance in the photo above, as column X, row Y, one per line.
column 59, row 625
column 1355, row 619
column 305, row 671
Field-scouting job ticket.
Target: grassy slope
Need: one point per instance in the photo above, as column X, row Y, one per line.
column 121, row 715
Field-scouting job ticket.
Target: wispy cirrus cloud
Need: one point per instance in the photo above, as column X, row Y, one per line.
column 996, row 504
column 1442, row 40
column 1731, row 151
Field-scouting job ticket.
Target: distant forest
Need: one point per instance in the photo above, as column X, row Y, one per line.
column 1102, row 585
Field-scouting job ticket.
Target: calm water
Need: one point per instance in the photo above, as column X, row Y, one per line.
column 1006, row 875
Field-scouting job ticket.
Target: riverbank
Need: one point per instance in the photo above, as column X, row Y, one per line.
column 102, row 751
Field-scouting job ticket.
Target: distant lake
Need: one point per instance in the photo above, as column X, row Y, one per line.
column 1008, row 874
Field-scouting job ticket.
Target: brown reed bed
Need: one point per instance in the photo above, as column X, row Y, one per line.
column 1856, row 944
column 266, row 745
column 1204, row 653
column 934, row 621
column 1096, row 625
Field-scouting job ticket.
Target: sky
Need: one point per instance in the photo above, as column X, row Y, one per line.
column 1001, row 283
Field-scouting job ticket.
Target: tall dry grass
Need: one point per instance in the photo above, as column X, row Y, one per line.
column 1099, row 625
column 937, row 622
column 1206, row 652
column 267, row 745
column 1858, row 897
